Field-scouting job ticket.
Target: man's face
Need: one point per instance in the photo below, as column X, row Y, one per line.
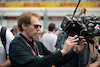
column 33, row 28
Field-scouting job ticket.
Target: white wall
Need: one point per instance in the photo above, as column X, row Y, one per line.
column 9, row 23
column 4, row 23
column 50, row 11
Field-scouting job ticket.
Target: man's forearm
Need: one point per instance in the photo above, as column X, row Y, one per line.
column 7, row 63
column 95, row 64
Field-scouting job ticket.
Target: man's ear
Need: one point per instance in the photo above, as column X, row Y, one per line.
column 23, row 26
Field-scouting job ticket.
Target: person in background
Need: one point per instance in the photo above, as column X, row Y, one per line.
column 15, row 30
column 38, row 37
column 45, row 31
column 4, row 51
column 49, row 39
column 6, row 27
column 12, row 31
column 26, row 52
column 58, row 31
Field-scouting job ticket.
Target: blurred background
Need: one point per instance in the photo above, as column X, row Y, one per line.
column 51, row 11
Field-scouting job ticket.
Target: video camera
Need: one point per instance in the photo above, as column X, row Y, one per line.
column 81, row 26
column 84, row 27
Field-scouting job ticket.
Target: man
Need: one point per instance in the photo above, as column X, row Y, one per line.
column 26, row 52
column 4, row 51
column 49, row 39
column 15, row 30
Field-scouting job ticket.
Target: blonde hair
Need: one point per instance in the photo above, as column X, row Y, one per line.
column 93, row 50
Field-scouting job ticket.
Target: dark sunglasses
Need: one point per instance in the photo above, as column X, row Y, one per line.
column 36, row 26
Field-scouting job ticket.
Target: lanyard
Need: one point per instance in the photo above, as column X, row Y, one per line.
column 32, row 49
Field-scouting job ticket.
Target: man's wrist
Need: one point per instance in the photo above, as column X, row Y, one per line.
column 0, row 65
column 75, row 51
column 63, row 52
column 78, row 14
column 98, row 62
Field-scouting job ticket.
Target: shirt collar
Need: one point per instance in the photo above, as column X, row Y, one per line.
column 29, row 42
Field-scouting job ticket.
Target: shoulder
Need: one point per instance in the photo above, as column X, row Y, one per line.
column 17, row 40
column 54, row 35
column 62, row 35
column 51, row 35
column 44, row 34
column 9, row 34
column 8, row 31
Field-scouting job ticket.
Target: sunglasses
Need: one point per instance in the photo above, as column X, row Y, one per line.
column 36, row 26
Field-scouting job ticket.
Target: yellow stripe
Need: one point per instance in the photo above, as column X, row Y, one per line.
column 49, row 4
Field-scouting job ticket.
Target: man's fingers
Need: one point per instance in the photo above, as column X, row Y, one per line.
column 81, row 37
column 71, row 38
column 74, row 44
column 74, row 40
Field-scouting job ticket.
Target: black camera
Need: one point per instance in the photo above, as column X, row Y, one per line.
column 84, row 27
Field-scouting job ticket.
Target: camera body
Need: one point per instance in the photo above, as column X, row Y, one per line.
column 84, row 27
column 70, row 26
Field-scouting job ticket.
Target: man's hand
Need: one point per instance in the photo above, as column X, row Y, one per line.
column 82, row 11
column 81, row 45
column 69, row 43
